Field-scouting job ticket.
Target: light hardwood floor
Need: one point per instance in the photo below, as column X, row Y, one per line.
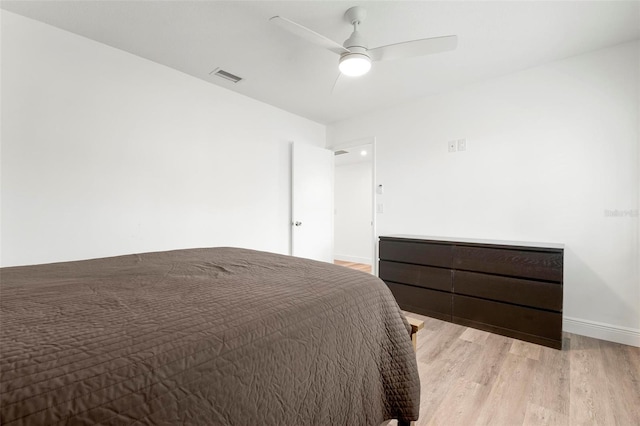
column 359, row 266
column 471, row 377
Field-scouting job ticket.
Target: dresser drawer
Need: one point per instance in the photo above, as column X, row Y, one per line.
column 537, row 294
column 503, row 318
column 418, row 275
column 415, row 252
column 433, row 303
column 542, row 265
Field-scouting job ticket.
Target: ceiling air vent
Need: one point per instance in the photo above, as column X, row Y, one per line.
column 342, row 151
column 226, row 75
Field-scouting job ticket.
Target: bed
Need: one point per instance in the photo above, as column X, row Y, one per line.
column 216, row 336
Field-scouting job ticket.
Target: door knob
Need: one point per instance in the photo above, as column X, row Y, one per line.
column 298, row 224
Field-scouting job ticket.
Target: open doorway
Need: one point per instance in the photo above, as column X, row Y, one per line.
column 354, row 200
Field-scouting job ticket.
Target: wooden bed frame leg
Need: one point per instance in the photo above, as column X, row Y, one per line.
column 416, row 325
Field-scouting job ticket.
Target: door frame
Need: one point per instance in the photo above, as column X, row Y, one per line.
column 367, row 140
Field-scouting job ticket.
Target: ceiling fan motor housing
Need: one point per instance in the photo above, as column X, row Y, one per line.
column 355, row 41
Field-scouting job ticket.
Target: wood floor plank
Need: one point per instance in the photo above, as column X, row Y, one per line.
column 475, row 335
column 439, row 341
column 507, row 401
column 353, row 265
column 489, row 361
column 551, row 385
column 441, row 374
column 633, row 356
column 526, row 349
column 620, row 373
column 460, row 404
column 589, row 397
column 537, row 415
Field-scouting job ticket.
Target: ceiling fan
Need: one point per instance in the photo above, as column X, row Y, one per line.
column 355, row 56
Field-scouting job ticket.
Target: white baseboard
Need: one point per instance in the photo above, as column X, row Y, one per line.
column 598, row 330
column 356, row 259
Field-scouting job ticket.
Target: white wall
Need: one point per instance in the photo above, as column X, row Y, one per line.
column 353, row 200
column 549, row 150
column 105, row 153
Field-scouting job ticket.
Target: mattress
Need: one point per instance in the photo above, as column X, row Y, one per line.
column 216, row 336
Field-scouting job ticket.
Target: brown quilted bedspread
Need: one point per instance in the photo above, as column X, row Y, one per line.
column 220, row 336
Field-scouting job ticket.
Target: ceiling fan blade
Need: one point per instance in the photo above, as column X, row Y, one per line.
column 308, row 34
column 335, row 83
column 409, row 49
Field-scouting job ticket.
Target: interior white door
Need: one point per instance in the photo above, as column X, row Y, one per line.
column 312, row 202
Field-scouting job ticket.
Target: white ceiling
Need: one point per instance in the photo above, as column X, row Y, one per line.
column 195, row 37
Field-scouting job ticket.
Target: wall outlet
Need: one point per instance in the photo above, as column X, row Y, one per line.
column 462, row 144
column 452, row 146
column 380, row 208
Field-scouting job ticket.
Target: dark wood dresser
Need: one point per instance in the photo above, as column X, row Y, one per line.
column 509, row 288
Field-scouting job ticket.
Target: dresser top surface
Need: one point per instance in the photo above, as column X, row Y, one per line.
column 530, row 244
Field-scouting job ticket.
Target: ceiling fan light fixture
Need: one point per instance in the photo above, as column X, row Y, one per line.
column 354, row 64
column 355, row 55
